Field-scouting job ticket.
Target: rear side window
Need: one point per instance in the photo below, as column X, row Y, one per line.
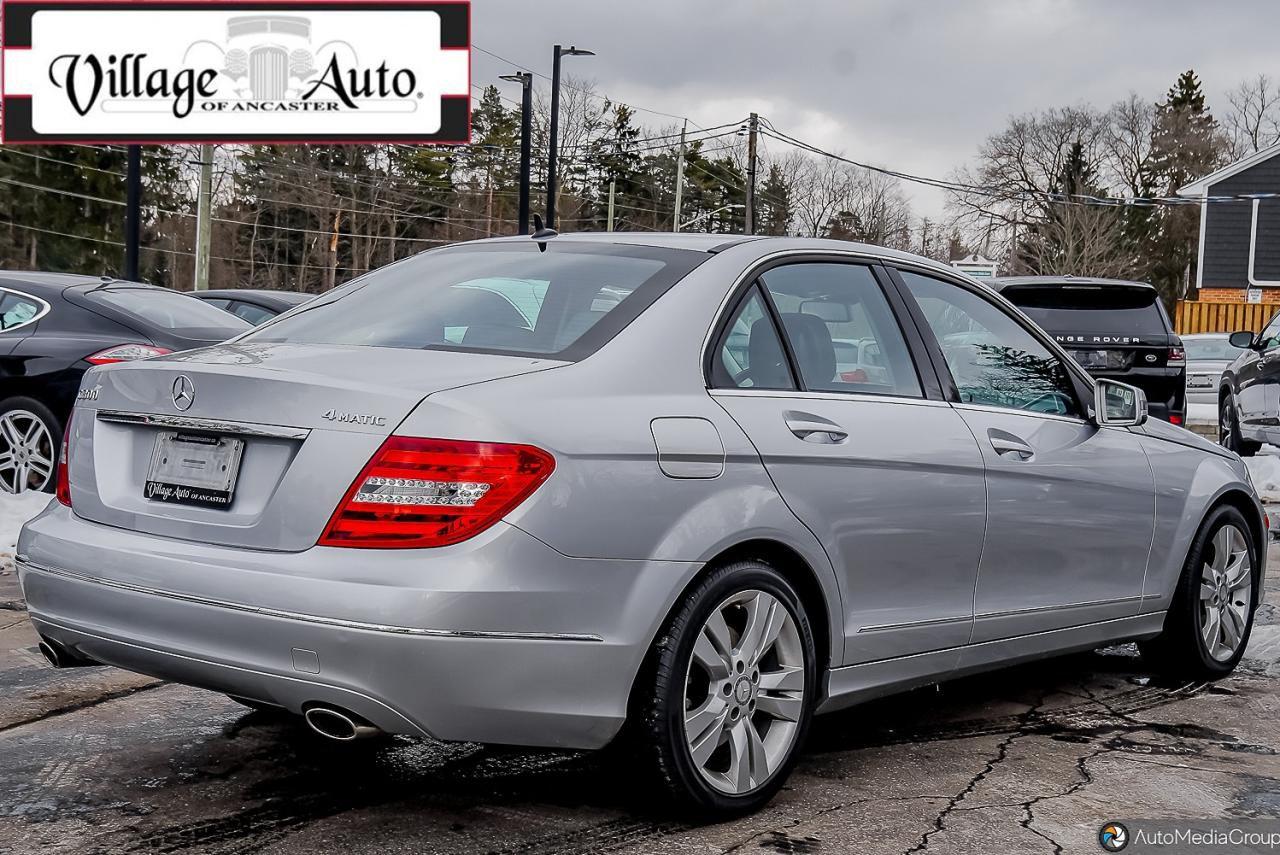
column 842, row 332
column 1097, row 309
column 565, row 301
column 751, row 355
column 170, row 310
column 18, row 310
column 251, row 313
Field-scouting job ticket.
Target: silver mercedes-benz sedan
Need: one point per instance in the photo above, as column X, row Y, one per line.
column 588, row 488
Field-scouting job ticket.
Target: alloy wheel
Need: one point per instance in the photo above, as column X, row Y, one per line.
column 27, row 452
column 1226, row 593
column 744, row 692
column 1224, row 424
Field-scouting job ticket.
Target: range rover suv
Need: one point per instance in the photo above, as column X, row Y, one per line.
column 1116, row 330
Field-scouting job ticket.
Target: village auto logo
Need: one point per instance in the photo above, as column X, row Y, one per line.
column 303, row 72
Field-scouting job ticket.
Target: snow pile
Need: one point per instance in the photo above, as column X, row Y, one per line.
column 1264, row 469
column 14, row 511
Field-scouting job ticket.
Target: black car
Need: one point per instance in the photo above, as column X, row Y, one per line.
column 53, row 326
column 1249, row 392
column 1114, row 329
column 255, row 305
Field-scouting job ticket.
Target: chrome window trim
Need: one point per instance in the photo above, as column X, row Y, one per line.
column 45, row 308
column 717, row 392
column 991, row 408
column 212, row 425
column 28, row 565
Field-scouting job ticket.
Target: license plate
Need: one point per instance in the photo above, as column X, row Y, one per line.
column 1200, row 382
column 1091, row 358
column 193, row 469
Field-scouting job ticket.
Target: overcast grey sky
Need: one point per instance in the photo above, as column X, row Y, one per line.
column 912, row 84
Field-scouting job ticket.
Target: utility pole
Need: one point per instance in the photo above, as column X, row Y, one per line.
column 753, row 129
column 133, row 212
column 675, row 221
column 613, row 185
column 525, row 79
column 204, row 219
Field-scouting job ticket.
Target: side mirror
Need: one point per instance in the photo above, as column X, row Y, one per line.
column 1118, row 404
column 1242, row 340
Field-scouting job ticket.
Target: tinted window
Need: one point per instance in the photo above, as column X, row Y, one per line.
column 169, row 310
column 1270, row 336
column 17, row 310
column 993, row 359
column 751, row 356
column 1218, row 349
column 251, row 313
column 1091, row 308
column 841, row 329
column 493, row 298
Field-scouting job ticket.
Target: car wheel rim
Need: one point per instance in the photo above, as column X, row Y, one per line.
column 26, row 452
column 744, row 692
column 1224, row 425
column 1226, row 593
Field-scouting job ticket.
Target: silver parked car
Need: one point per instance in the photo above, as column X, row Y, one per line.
column 564, row 491
column 1208, row 355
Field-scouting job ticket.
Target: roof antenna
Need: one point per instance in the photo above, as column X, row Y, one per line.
column 542, row 235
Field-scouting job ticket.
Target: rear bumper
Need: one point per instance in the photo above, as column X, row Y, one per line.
column 500, row 639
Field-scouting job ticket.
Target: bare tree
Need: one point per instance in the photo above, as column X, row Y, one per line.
column 1253, row 122
column 1127, row 143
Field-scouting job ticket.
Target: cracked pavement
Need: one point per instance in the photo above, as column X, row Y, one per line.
column 96, row 760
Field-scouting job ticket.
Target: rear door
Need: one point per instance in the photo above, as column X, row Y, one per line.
column 862, row 449
column 1070, row 506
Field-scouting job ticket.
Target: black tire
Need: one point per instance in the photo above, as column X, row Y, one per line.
column 1229, row 430
column 660, row 731
column 16, row 407
column 1180, row 650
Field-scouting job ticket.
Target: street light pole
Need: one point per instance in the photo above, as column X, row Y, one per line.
column 555, row 126
column 525, row 79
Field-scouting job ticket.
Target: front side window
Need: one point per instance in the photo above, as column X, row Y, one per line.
column 842, row 332
column 751, row 355
column 993, row 359
column 1270, row 337
column 564, row 301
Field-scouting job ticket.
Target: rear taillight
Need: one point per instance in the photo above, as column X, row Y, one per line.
column 1177, row 356
column 418, row 493
column 1175, row 419
column 126, row 353
column 63, row 482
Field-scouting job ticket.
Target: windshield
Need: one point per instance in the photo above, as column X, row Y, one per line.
column 169, row 310
column 1217, row 349
column 494, row 298
column 1098, row 309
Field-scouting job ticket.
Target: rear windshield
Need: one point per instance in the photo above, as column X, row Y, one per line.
column 565, row 301
column 1210, row 348
column 1108, row 310
column 170, row 310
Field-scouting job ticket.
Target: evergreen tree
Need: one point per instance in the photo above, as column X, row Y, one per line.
column 774, row 203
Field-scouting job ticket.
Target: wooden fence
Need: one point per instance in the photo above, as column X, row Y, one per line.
column 1196, row 317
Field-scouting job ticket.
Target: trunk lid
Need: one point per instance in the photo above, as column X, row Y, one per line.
column 307, row 418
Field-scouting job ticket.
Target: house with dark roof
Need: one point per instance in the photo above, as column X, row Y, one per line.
column 1240, row 239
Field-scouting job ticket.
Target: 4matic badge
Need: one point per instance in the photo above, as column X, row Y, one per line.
column 354, row 418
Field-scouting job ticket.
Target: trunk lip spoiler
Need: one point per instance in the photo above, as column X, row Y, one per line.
column 211, row 425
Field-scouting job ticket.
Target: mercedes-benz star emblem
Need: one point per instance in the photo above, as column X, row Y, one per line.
column 184, row 392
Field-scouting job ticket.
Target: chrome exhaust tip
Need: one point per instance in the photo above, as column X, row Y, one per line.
column 338, row 725
column 59, row 657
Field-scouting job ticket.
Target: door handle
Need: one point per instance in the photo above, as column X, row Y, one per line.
column 816, row 429
column 1007, row 445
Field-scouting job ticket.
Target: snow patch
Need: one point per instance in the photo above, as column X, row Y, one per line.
column 1264, row 469
column 1202, row 414
column 14, row 511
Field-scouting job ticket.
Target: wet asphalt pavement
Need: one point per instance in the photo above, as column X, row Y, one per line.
column 1033, row 759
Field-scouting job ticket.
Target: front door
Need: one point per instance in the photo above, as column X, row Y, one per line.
column 888, row 480
column 1258, row 384
column 1070, row 505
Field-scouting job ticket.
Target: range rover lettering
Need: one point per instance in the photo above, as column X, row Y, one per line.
column 681, row 492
